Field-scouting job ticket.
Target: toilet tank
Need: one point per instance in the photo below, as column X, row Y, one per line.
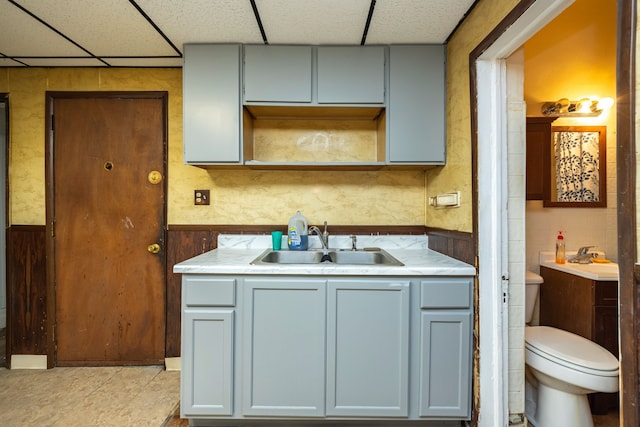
column 532, row 282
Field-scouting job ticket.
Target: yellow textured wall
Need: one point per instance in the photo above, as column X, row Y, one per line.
column 259, row 197
column 557, row 68
column 457, row 174
column 239, row 197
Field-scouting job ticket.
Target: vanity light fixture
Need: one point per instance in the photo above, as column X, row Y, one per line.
column 585, row 107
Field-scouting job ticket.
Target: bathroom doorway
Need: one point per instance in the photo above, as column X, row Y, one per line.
column 488, row 70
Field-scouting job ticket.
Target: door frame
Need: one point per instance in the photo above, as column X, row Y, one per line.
column 626, row 160
column 488, row 55
column 51, row 96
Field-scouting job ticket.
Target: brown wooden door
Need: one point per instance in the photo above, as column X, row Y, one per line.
column 109, row 286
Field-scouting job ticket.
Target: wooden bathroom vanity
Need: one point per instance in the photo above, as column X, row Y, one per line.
column 586, row 307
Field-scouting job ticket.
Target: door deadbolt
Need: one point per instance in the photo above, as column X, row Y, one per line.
column 153, row 248
column 154, row 177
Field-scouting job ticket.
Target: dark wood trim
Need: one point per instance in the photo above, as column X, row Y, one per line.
column 456, row 244
column 627, row 231
column 26, row 291
column 183, row 242
column 333, row 229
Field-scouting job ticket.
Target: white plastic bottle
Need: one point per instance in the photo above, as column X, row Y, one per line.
column 298, row 233
column 560, row 255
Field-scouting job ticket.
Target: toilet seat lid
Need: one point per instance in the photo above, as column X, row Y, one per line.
column 571, row 348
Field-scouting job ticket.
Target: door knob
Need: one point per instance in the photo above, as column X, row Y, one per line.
column 153, row 248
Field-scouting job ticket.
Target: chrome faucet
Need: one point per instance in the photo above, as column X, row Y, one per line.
column 323, row 236
column 583, row 256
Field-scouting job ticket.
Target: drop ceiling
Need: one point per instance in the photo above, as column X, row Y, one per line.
column 151, row 33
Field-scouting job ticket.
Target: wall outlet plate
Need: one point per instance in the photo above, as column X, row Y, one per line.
column 201, row 197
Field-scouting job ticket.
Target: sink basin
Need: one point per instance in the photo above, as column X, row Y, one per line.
column 340, row 257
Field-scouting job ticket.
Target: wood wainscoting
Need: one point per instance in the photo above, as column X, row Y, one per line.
column 26, row 291
column 26, row 272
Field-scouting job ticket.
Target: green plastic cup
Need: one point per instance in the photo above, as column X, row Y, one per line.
column 276, row 240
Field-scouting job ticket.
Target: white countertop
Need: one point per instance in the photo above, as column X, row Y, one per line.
column 235, row 253
column 595, row 271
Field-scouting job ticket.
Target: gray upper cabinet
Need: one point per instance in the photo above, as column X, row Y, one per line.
column 351, row 75
column 230, row 90
column 277, row 74
column 211, row 103
column 416, row 105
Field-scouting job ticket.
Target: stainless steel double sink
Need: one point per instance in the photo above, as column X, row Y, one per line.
column 367, row 256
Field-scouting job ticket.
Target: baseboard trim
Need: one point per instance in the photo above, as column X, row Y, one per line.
column 28, row 361
column 172, row 363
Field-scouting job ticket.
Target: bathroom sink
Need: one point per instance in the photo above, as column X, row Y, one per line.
column 340, row 257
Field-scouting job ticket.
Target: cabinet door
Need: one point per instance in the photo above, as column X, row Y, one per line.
column 368, row 348
column 416, row 105
column 539, row 157
column 211, row 103
column 284, row 347
column 351, row 75
column 445, row 364
column 277, row 73
column 207, row 367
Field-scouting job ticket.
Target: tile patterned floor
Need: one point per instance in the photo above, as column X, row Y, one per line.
column 99, row 397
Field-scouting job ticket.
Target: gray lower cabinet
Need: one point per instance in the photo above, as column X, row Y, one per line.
column 445, row 347
column 335, row 348
column 207, row 345
column 416, row 105
column 368, row 348
column 283, row 347
column 211, row 104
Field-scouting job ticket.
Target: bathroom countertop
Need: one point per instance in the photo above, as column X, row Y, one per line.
column 235, row 253
column 594, row 271
column 603, row 272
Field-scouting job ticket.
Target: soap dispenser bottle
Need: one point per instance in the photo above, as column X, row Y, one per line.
column 298, row 233
column 560, row 256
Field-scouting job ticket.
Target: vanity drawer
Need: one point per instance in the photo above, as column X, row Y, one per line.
column 446, row 293
column 203, row 290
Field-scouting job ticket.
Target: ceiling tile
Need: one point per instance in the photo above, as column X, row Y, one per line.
column 198, row 21
column 62, row 62
column 104, row 28
column 24, row 36
column 313, row 21
column 6, row 62
column 144, row 62
column 411, row 21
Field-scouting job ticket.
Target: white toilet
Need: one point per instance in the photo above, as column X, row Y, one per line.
column 562, row 368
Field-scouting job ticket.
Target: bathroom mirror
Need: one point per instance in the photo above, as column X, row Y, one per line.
column 578, row 167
